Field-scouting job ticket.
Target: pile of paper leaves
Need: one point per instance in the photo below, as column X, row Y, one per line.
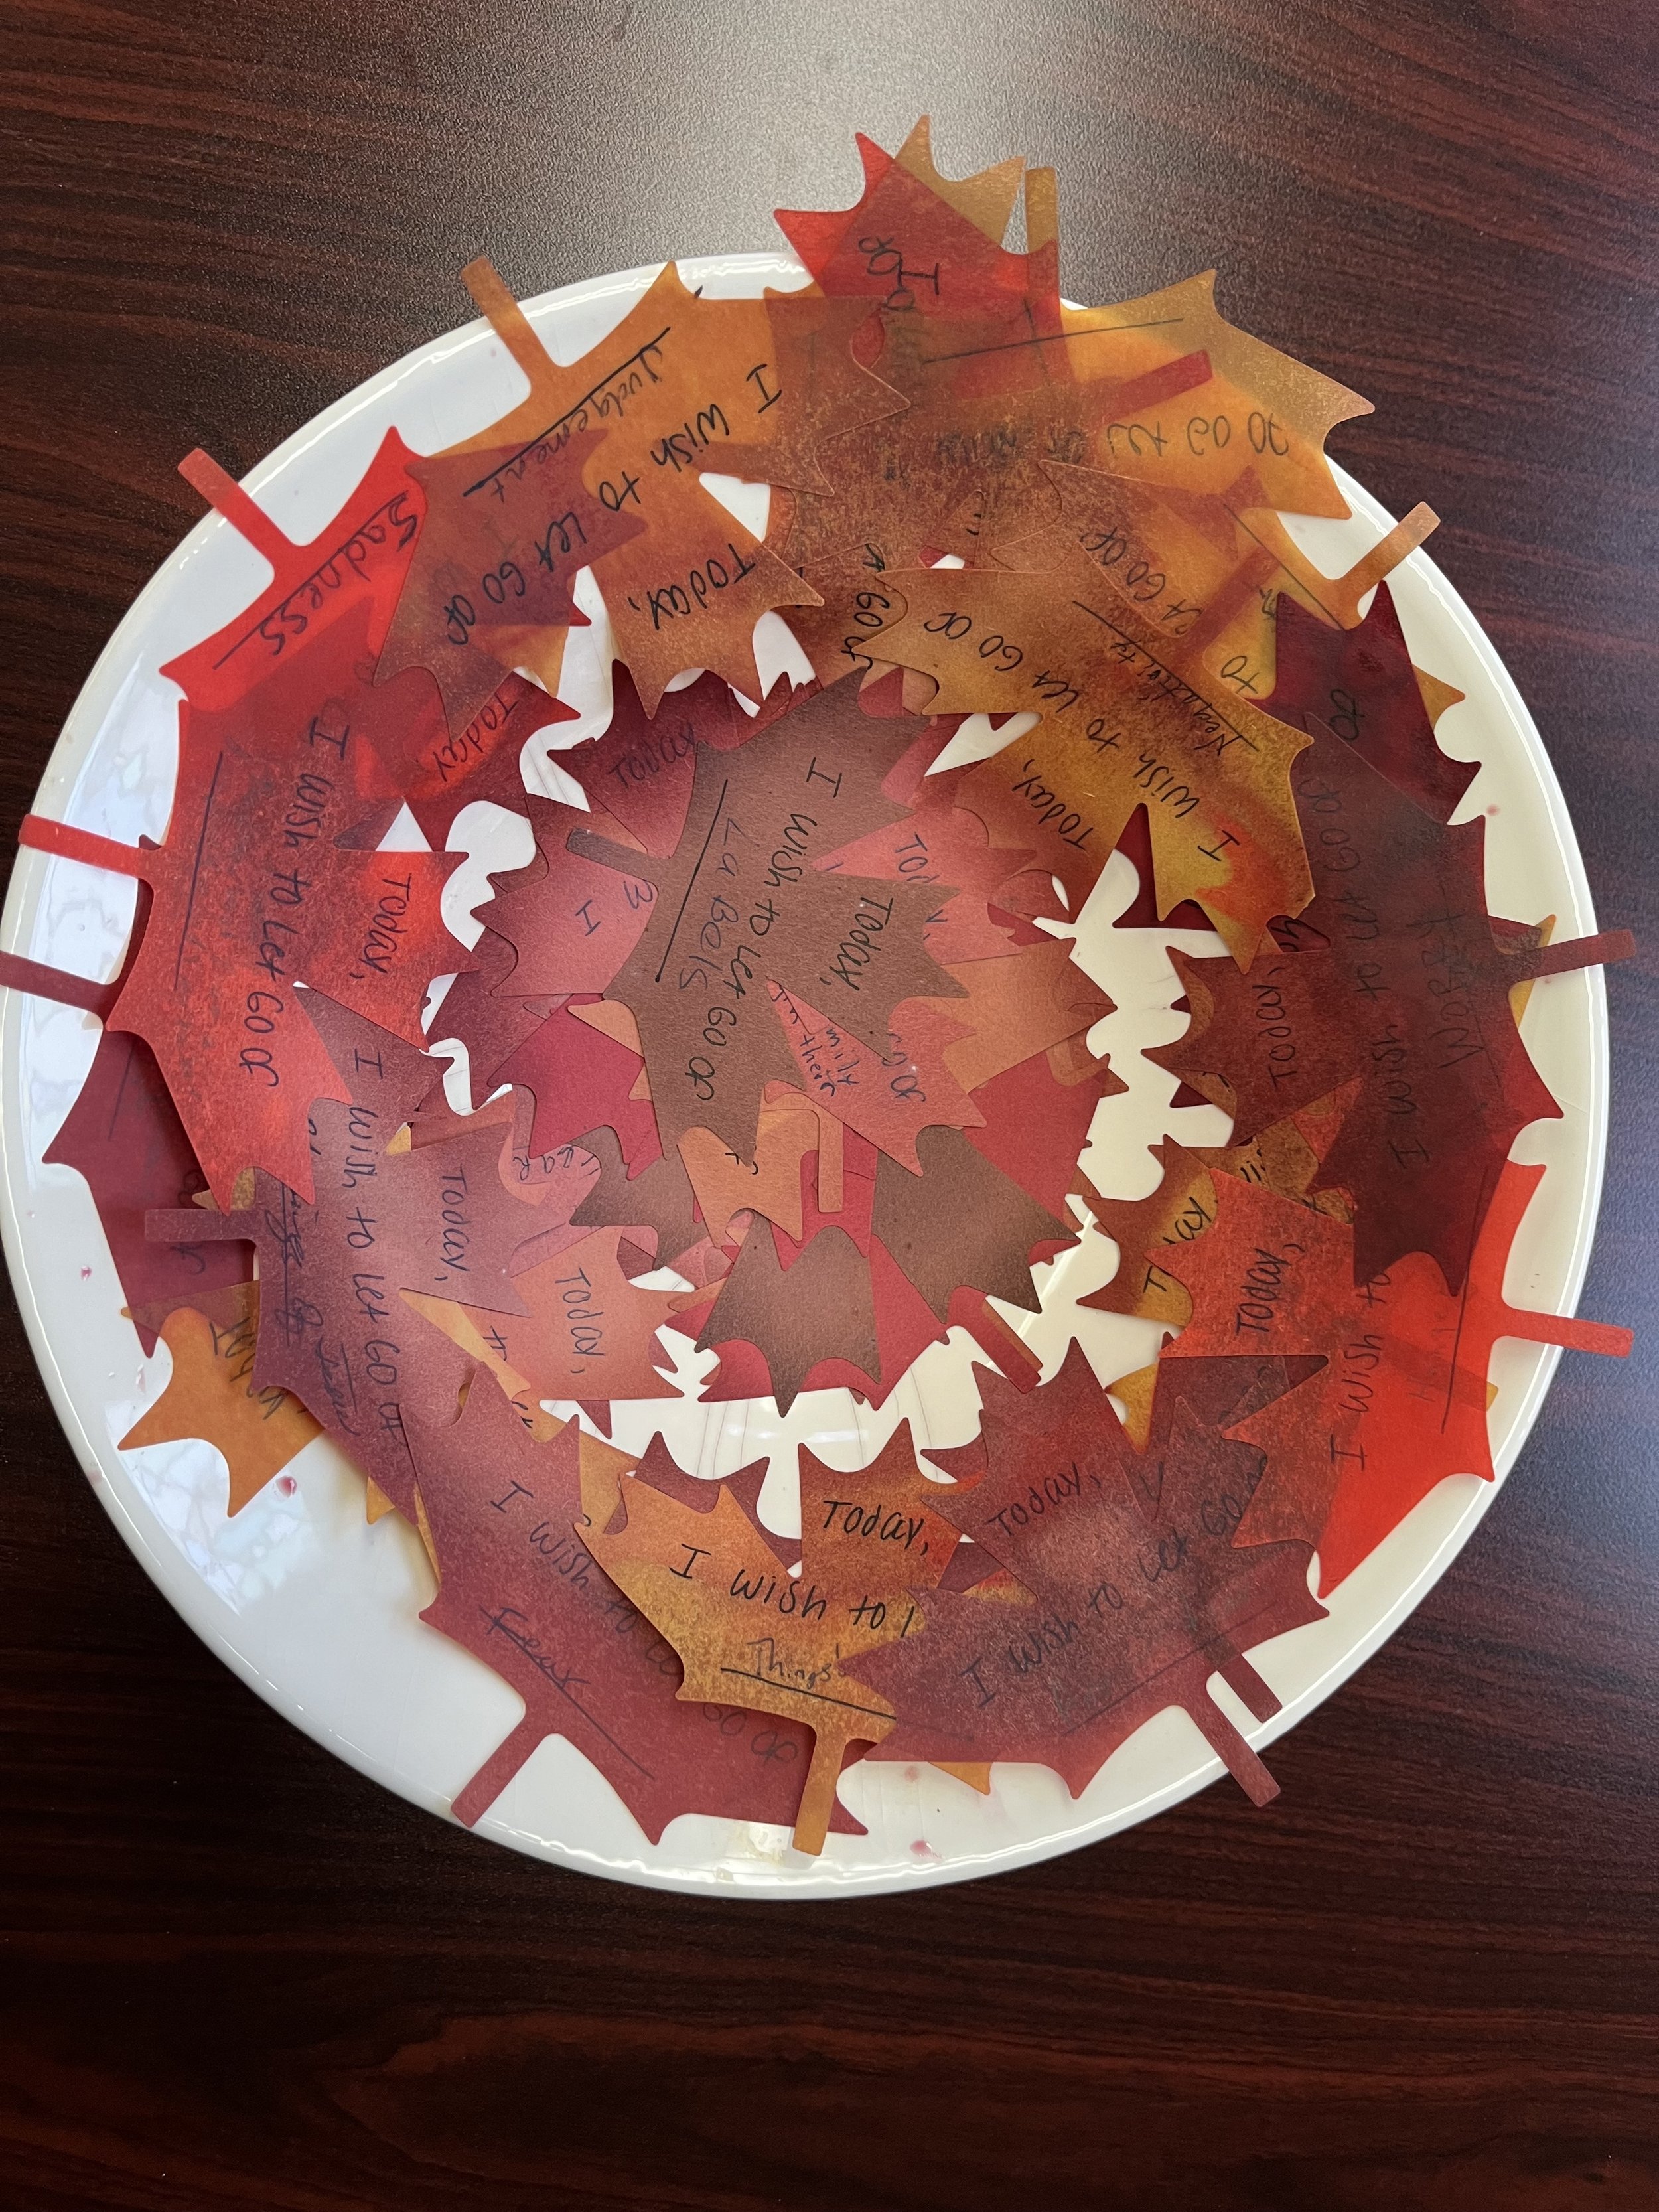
column 778, row 1044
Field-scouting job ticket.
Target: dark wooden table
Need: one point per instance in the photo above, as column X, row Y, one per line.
column 233, row 1973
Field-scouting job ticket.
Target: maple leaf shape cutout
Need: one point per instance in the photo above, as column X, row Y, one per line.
column 1400, row 1402
column 254, row 895
column 1284, row 1158
column 588, row 1331
column 489, row 587
column 944, row 845
column 356, row 565
column 807, row 1309
column 208, row 1394
column 573, row 919
column 519, row 1588
column 1138, row 1593
column 963, row 1223
column 1027, row 1002
column 1210, row 570
column 331, row 1327
column 1392, row 976
column 1259, row 402
column 670, row 386
column 123, row 1136
column 578, row 1077
column 1361, row 685
column 1120, row 729
column 438, row 776
column 742, row 906
column 916, row 241
column 745, row 1627
column 770, row 1330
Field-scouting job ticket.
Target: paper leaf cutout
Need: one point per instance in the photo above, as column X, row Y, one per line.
column 889, row 1097
column 355, row 564
column 1138, row 1594
column 744, row 1628
column 805, row 1315
column 914, row 241
column 477, row 1012
column 1360, row 685
column 489, row 586
column 1400, row 1402
column 1120, row 729
column 1013, row 1008
column 253, row 896
column 1392, row 977
column 812, row 387
column 725, row 1184
column 519, row 1588
column 122, row 1135
column 962, row 1222
column 1260, row 411
column 671, row 384
column 579, row 1076
column 1033, row 1127
column 873, row 1536
column 441, row 774
column 1282, row 1159
column 588, row 1331
column 659, row 1198
column 741, row 905
column 210, row 1394
column 574, row 920
column 333, row 1328
column 1209, row 571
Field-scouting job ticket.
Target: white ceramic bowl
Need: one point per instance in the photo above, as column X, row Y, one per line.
column 317, row 1611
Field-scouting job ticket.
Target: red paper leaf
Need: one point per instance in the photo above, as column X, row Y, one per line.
column 741, row 906
column 520, row 1589
column 914, row 242
column 123, row 1136
column 478, row 1011
column 440, row 774
column 578, row 1079
column 1138, row 1594
column 489, row 584
column 356, row 564
column 253, row 895
column 1393, row 976
column 333, row 1328
column 573, row 919
column 1033, row 1127
column 1360, row 685
column 1400, row 1402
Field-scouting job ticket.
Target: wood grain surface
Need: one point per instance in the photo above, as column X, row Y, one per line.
column 233, row 1974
